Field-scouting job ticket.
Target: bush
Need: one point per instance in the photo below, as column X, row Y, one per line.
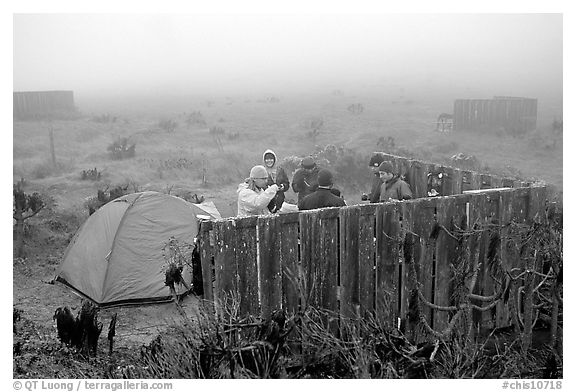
column 167, row 125
column 121, row 149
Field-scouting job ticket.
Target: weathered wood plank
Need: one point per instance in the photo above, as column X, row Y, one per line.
column 225, row 284
column 422, row 217
column 329, row 258
column 507, row 258
column 418, row 176
column 247, row 262
column 537, row 203
column 366, row 257
column 309, row 253
column 449, row 215
column 349, row 262
column 269, row 265
column 289, row 260
column 388, row 246
column 206, row 244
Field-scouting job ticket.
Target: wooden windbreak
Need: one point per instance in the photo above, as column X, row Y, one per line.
column 35, row 103
column 454, row 181
column 513, row 115
column 356, row 260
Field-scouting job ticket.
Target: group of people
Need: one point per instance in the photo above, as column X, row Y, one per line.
column 262, row 193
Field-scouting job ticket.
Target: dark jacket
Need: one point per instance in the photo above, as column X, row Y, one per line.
column 278, row 176
column 305, row 182
column 374, row 195
column 396, row 189
column 321, row 198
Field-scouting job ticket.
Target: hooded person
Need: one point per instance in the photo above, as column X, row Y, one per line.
column 305, row 180
column 254, row 194
column 393, row 187
column 276, row 175
column 323, row 196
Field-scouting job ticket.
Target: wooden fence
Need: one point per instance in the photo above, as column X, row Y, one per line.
column 32, row 104
column 356, row 260
column 453, row 182
column 513, row 115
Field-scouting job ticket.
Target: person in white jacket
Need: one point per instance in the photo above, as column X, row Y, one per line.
column 254, row 194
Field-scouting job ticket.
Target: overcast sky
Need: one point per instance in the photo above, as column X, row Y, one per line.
column 247, row 53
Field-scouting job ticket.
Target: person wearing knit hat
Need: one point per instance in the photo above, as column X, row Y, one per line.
column 276, row 175
column 322, row 197
column 305, row 180
column 374, row 196
column 254, row 194
column 393, row 187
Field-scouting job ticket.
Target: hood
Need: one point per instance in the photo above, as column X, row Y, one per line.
column 269, row 152
column 242, row 186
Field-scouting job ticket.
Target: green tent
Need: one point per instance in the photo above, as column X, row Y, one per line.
column 117, row 256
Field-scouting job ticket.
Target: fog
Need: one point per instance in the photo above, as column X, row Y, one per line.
column 459, row 55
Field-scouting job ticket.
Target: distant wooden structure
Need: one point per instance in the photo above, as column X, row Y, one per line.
column 41, row 104
column 513, row 115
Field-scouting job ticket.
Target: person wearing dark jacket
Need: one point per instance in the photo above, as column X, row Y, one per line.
column 393, row 187
column 305, row 180
column 278, row 176
column 374, row 196
column 323, row 196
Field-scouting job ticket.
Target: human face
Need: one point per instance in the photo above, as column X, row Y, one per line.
column 385, row 176
column 261, row 182
column 269, row 161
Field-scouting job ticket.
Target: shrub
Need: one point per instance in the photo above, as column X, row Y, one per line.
column 91, row 174
column 167, row 125
column 121, row 148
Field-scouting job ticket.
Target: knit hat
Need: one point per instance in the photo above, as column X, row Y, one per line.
column 325, row 178
column 308, row 163
column 386, row 167
column 376, row 159
column 258, row 171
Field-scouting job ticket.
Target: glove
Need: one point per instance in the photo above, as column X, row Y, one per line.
column 281, row 188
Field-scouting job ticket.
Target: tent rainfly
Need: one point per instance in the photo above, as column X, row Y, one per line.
column 117, row 256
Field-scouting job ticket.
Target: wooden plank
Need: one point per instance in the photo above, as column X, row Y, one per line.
column 349, row 262
column 206, row 244
column 449, row 184
column 269, row 265
column 225, row 283
column 289, row 259
column 485, row 181
column 520, row 205
column 422, row 216
column 247, row 262
column 309, row 253
column 537, row 203
column 449, row 216
column 457, row 115
column 475, row 180
column 367, row 259
column 507, row 260
column 388, row 246
column 418, row 175
column 329, row 258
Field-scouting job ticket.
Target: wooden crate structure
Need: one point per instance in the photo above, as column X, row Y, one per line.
column 512, row 115
column 34, row 104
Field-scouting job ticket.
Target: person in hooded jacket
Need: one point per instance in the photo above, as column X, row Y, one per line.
column 254, row 194
column 393, row 187
column 305, row 180
column 323, row 196
column 278, row 176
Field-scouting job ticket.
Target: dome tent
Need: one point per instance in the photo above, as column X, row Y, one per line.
column 116, row 257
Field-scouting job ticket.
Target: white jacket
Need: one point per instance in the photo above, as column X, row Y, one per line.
column 254, row 203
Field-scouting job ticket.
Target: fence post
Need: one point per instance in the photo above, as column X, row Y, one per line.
column 225, row 284
column 52, row 152
column 206, row 243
